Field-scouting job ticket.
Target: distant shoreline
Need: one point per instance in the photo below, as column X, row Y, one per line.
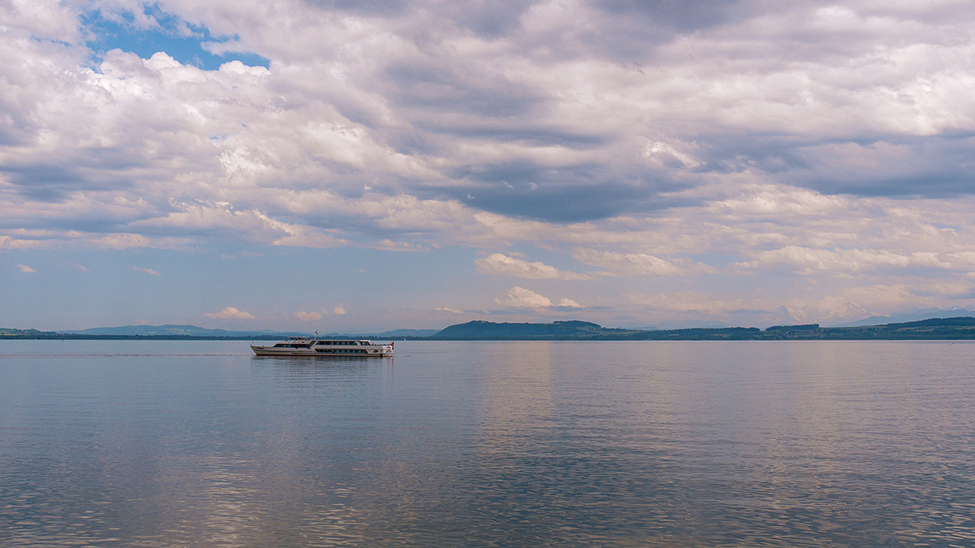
column 960, row 328
column 55, row 336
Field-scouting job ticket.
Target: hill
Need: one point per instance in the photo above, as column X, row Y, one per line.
column 930, row 329
column 564, row 330
column 908, row 317
column 10, row 333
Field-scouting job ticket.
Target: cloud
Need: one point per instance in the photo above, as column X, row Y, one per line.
column 339, row 310
column 628, row 264
column 309, row 316
column 848, row 304
column 499, row 263
column 665, row 154
column 451, row 310
column 25, row 268
column 519, row 297
column 144, row 270
column 692, row 301
column 230, row 313
column 56, row 238
column 740, row 144
column 534, row 117
column 575, row 162
column 809, row 261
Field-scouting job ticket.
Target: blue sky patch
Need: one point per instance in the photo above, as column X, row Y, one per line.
column 178, row 39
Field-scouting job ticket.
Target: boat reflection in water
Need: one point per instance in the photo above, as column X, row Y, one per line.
column 315, row 347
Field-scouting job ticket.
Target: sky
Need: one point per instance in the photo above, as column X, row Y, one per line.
column 342, row 165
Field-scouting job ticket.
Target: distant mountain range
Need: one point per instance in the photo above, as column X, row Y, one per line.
column 933, row 328
column 912, row 316
column 175, row 331
column 200, row 332
column 194, row 332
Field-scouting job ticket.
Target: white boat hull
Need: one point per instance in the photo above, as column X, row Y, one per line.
column 297, row 347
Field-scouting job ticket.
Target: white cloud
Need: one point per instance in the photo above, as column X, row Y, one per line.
column 662, row 152
column 54, row 239
column 628, row 264
column 230, row 313
column 499, row 263
column 759, row 146
column 339, row 310
column 519, row 297
column 144, row 270
column 308, row 316
column 451, row 310
column 25, row 268
column 808, row 261
column 895, row 71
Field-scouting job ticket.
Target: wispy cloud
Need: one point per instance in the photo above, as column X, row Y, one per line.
column 144, row 270
column 25, row 268
column 628, row 264
column 851, row 303
column 499, row 263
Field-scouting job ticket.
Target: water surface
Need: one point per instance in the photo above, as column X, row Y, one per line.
column 194, row 443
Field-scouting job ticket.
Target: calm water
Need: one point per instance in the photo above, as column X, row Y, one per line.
column 144, row 443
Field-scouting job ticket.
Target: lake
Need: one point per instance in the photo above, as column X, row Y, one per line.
column 199, row 443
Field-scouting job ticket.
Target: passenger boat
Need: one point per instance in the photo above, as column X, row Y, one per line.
column 307, row 346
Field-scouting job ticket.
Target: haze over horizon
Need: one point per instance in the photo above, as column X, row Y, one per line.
column 383, row 164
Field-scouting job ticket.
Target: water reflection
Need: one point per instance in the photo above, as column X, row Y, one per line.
column 757, row 444
column 516, row 397
column 312, row 371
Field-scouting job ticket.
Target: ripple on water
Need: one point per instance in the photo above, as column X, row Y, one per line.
column 548, row 444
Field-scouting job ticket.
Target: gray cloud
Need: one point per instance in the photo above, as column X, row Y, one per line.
column 381, row 8
column 561, row 194
column 932, row 166
column 44, row 182
column 488, row 18
column 53, row 177
column 539, row 110
column 681, row 15
column 473, row 92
